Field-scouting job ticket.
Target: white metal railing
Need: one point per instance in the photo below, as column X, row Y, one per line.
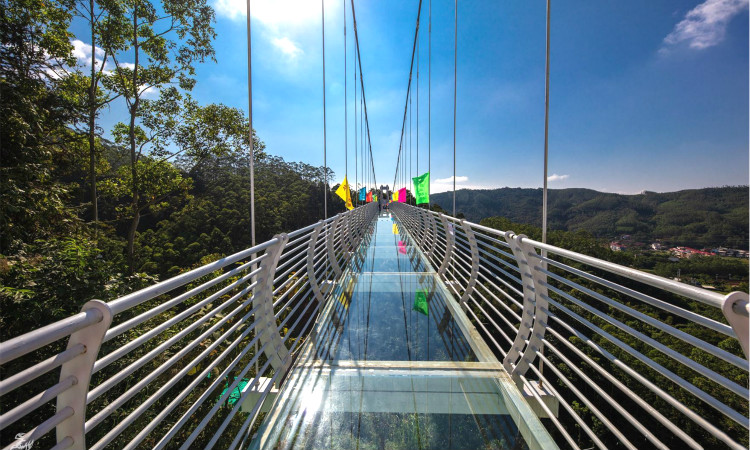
column 633, row 360
column 185, row 363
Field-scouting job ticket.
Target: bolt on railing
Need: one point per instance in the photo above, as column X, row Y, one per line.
column 629, row 358
column 175, row 364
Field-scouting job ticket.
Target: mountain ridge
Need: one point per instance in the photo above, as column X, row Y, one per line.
column 704, row 217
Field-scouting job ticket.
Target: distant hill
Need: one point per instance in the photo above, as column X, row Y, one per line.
column 695, row 217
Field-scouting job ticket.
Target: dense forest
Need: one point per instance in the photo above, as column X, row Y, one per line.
column 92, row 213
column 698, row 218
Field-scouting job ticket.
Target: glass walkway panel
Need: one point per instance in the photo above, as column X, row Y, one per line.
column 394, row 363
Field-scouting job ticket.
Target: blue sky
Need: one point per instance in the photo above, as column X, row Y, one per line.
column 644, row 95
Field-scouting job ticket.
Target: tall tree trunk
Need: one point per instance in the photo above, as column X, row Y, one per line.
column 92, row 123
column 133, row 155
column 131, row 240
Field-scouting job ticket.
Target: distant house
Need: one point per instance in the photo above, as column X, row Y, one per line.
column 616, row 247
column 733, row 252
column 688, row 252
column 657, row 246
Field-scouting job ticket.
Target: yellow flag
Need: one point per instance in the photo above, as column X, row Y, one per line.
column 345, row 193
column 394, row 229
column 395, row 196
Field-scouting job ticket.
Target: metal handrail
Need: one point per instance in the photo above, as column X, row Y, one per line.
column 676, row 375
column 208, row 328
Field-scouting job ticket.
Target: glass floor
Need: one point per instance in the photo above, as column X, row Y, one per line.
column 394, row 363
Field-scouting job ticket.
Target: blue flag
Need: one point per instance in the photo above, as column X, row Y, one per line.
column 362, row 194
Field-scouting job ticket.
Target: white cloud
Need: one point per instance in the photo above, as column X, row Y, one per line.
column 705, row 25
column 82, row 52
column 556, row 177
column 272, row 12
column 287, row 47
column 459, row 179
column 446, row 184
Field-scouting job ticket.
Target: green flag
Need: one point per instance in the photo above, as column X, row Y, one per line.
column 422, row 188
column 420, row 302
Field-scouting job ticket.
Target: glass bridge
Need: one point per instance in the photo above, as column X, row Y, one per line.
column 395, row 363
column 403, row 329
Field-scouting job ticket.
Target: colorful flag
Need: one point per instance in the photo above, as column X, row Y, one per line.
column 362, row 194
column 402, row 195
column 345, row 193
column 420, row 302
column 395, row 196
column 374, row 198
column 401, row 247
column 395, row 229
column 369, row 197
column 422, row 188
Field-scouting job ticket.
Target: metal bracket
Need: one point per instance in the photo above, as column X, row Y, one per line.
column 541, row 307
column 275, row 351
column 330, row 237
column 449, row 239
column 527, row 315
column 474, row 262
column 433, row 236
column 423, row 224
column 314, row 285
column 80, row 368
column 738, row 321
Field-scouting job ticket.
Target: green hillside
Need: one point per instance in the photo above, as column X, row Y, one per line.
column 695, row 217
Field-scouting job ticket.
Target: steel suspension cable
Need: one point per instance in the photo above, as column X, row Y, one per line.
column 250, row 118
column 546, row 155
column 546, row 130
column 408, row 89
column 362, row 90
column 455, row 78
column 429, row 100
column 325, row 162
column 346, row 113
column 356, row 141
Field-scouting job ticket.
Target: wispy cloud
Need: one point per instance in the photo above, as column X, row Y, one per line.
column 556, row 177
column 287, row 47
column 82, row 54
column 272, row 12
column 446, row 184
column 459, row 179
column 705, row 25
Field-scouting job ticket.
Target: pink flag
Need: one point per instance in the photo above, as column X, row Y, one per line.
column 402, row 195
column 401, row 247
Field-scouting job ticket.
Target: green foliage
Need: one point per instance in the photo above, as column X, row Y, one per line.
column 49, row 280
column 35, row 112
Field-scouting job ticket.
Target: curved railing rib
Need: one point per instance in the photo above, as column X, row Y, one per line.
column 630, row 358
column 202, row 351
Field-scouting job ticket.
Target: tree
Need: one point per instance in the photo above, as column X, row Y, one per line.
column 37, row 105
column 164, row 43
column 174, row 136
column 105, row 32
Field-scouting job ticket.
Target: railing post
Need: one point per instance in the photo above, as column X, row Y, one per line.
column 474, row 262
column 80, row 367
column 733, row 302
column 535, row 306
column 449, row 238
column 275, row 351
column 347, row 229
column 433, row 236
